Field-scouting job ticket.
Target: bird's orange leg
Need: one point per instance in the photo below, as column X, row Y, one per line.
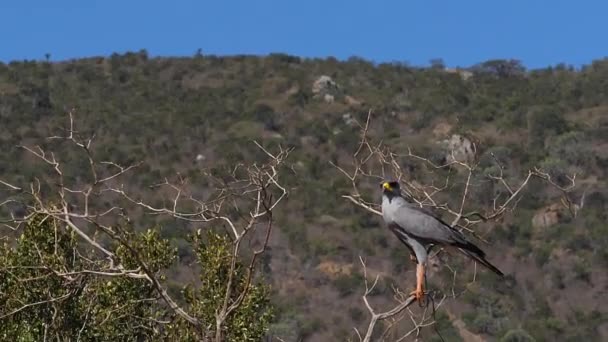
column 419, row 292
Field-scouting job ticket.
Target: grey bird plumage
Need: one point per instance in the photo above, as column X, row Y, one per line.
column 420, row 229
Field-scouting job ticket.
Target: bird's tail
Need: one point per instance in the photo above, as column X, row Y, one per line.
column 480, row 258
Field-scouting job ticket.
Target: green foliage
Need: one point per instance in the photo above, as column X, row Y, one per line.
column 517, row 335
column 299, row 98
column 445, row 331
column 556, row 168
column 36, row 300
column 49, row 288
column 347, row 284
column 356, row 314
column 484, row 324
column 542, row 253
column 491, row 315
column 573, row 148
column 166, row 111
column 250, row 321
column 582, row 271
column 246, row 130
column 310, row 326
column 542, row 122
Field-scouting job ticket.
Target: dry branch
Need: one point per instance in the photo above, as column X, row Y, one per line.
column 254, row 192
column 375, row 161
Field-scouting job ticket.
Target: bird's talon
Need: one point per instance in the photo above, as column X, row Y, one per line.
column 418, row 293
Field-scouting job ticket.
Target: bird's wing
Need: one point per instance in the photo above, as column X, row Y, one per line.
column 426, row 226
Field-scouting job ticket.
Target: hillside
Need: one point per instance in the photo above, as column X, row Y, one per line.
column 184, row 115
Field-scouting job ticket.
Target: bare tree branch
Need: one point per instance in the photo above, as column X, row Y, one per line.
column 253, row 192
column 375, row 317
column 373, row 162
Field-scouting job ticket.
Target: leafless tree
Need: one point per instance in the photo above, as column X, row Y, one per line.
column 243, row 200
column 374, row 161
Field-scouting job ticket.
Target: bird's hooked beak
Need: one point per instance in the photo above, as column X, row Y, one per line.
column 386, row 186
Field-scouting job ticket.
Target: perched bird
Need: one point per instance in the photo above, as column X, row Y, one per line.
column 420, row 230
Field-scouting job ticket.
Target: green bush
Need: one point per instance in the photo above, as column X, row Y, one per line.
column 484, row 324
column 356, row 314
column 582, row 271
column 542, row 122
column 542, row 253
column 347, row 284
column 47, row 289
column 517, row 335
column 445, row 331
column 111, row 308
column 573, row 148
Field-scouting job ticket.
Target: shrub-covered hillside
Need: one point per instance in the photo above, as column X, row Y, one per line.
column 184, row 115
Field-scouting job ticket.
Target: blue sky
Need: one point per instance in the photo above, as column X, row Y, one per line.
column 461, row 32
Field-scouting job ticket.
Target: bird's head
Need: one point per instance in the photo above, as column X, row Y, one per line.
column 391, row 188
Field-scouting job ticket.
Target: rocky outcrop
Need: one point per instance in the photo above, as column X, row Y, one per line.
column 459, row 148
column 348, row 119
column 464, row 74
column 353, row 102
column 549, row 216
column 323, row 85
column 333, row 270
column 442, row 129
column 325, row 88
column 328, row 98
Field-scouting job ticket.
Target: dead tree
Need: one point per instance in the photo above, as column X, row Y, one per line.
column 243, row 200
column 374, row 161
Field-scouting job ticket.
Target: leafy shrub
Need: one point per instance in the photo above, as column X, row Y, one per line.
column 111, row 309
column 247, row 130
column 446, row 332
column 573, row 148
column 556, row 168
column 116, row 308
column 484, row 324
column 542, row 122
column 348, row 284
column 266, row 115
column 517, row 335
column 356, row 314
column 582, row 271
